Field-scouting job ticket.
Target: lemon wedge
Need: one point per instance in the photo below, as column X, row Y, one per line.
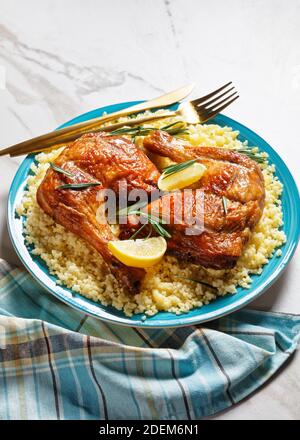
column 182, row 179
column 139, row 253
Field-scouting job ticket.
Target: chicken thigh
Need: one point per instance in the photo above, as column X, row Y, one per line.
column 112, row 161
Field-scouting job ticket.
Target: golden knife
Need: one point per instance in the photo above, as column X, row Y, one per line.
column 68, row 134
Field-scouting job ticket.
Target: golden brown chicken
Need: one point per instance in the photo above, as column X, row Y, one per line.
column 230, row 175
column 112, row 161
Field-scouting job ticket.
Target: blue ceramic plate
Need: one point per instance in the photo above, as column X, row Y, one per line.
column 217, row 308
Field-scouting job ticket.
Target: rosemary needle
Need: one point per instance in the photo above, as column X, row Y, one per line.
column 154, row 221
column 128, row 210
column 78, row 186
column 177, row 127
column 139, row 230
column 257, row 157
column 224, row 201
column 61, row 170
column 172, row 169
column 197, row 281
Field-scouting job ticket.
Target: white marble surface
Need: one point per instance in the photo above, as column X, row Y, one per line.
column 64, row 58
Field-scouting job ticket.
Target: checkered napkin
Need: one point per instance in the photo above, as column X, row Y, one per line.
column 56, row 363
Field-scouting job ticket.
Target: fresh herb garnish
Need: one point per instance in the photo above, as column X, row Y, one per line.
column 127, row 211
column 224, row 201
column 78, row 186
column 149, row 233
column 74, row 186
column 172, row 169
column 257, row 157
column 155, row 222
column 61, row 170
column 198, row 282
column 177, row 127
column 141, row 229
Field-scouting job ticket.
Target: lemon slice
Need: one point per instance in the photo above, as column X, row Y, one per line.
column 182, row 179
column 139, row 253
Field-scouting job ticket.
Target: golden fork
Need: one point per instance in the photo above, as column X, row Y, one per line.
column 202, row 109
column 193, row 112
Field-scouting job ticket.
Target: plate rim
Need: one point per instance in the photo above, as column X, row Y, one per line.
column 181, row 320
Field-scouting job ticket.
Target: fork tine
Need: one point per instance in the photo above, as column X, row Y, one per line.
column 210, row 95
column 212, row 113
column 216, row 98
column 216, row 104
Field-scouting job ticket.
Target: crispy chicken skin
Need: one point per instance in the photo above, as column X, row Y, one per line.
column 111, row 160
column 229, row 174
column 116, row 162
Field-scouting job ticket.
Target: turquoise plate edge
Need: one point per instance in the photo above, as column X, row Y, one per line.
column 221, row 306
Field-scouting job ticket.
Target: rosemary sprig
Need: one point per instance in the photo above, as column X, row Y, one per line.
column 159, row 229
column 224, row 201
column 60, row 170
column 78, row 186
column 139, row 230
column 172, row 169
column 155, row 222
column 133, row 131
column 73, row 186
column 257, row 157
column 128, row 210
column 198, row 282
column 177, row 127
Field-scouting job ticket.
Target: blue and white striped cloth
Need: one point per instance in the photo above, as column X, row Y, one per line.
column 56, row 363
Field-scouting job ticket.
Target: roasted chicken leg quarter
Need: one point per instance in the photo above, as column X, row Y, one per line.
column 112, row 161
column 228, row 174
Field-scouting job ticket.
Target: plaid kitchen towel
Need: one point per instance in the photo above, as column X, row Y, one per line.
column 56, row 363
